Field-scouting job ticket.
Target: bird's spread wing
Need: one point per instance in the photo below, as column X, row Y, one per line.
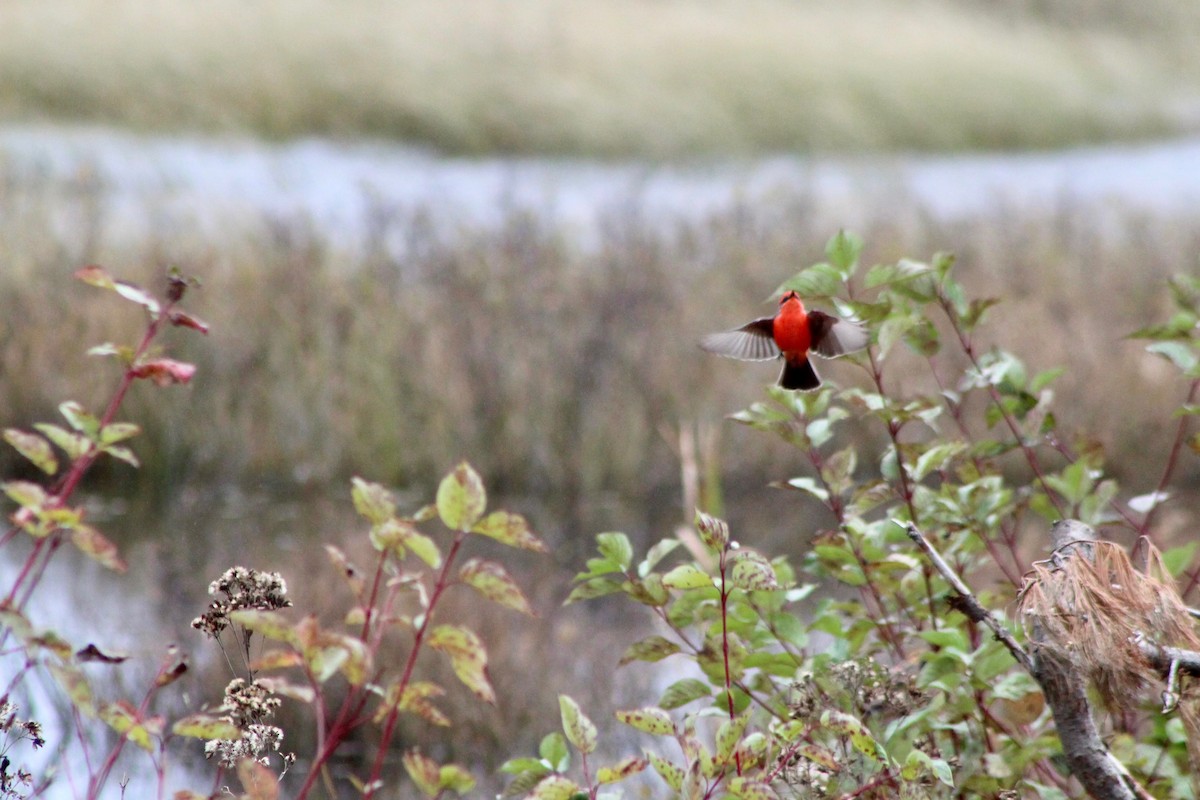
column 751, row 342
column 832, row 337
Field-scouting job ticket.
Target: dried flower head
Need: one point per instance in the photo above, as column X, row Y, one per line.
column 239, row 588
column 248, row 706
column 16, row 782
column 862, row 687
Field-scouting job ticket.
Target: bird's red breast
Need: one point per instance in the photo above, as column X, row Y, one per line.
column 791, row 330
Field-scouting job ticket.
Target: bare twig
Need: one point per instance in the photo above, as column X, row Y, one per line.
column 966, row 599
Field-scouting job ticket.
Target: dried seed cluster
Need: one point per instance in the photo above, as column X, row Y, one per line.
column 242, row 588
column 16, row 782
column 249, row 706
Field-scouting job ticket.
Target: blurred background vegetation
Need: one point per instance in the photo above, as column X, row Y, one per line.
column 615, row 78
column 567, row 374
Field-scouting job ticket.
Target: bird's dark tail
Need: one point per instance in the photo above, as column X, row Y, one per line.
column 799, row 375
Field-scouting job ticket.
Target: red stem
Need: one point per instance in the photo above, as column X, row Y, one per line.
column 737, row 757
column 1172, row 460
column 81, row 465
column 345, row 722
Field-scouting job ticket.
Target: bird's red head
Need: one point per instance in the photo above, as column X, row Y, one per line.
column 789, row 295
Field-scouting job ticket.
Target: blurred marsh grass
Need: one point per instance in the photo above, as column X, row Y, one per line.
column 563, row 374
column 619, row 78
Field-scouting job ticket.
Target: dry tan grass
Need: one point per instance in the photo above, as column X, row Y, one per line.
column 620, row 77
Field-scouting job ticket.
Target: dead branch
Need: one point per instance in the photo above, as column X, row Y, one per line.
column 1062, row 602
column 967, row 602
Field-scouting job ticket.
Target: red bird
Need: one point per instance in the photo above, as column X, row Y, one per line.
column 790, row 334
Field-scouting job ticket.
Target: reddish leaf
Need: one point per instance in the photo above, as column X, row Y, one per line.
column 184, row 320
column 164, row 371
column 93, row 653
column 95, row 276
column 258, row 781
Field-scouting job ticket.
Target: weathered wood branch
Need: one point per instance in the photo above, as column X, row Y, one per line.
column 1063, row 682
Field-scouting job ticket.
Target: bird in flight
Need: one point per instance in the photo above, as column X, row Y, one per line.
column 793, row 334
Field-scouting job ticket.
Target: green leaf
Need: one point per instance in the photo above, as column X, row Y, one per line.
column 652, row 648
column 123, row 353
column 580, row 730
column 95, row 546
column 810, row 486
column 34, row 448
column 683, row 692
column 74, row 683
column 936, row 458
column 884, row 274
column 510, row 529
column 414, row 699
column 372, row 501
column 554, row 787
column 397, row 535
column 74, row 444
column 625, row 768
column 515, row 766
column 819, row 280
column 467, row 656
column 26, row 494
column 752, row 572
column 136, row 294
column 81, row 420
column 687, row 576
column 424, row 771
column 1178, row 353
column 592, row 588
column 461, row 498
column 1177, row 559
column 650, row 720
column 456, row 779
column 655, row 554
column 206, row 726
column 616, row 548
column 122, row 453
column 493, row 582
column 746, row 788
column 860, row 737
column 669, row 772
column 118, row 432
column 123, row 718
column 728, row 736
column 271, row 624
column 843, row 251
column 553, row 750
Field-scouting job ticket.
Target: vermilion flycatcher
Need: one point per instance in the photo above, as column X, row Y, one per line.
column 791, row 334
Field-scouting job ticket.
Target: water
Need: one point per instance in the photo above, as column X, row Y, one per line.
column 223, row 185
